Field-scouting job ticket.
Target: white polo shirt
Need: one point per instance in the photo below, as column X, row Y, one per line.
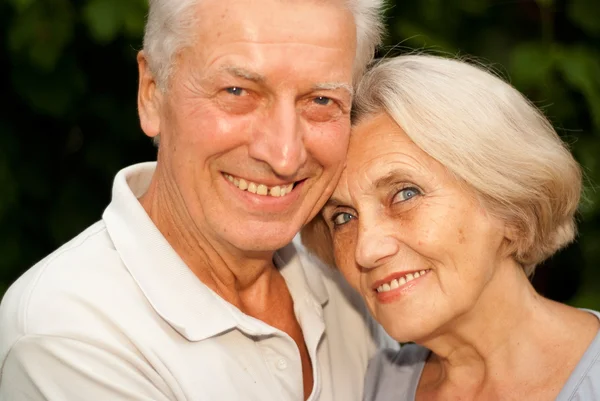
column 116, row 315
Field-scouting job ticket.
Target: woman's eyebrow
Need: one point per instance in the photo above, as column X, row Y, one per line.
column 392, row 178
column 333, row 202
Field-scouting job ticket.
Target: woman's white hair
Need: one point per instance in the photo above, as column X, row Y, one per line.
column 169, row 29
column 489, row 136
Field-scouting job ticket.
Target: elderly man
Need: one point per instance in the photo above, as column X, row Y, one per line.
column 178, row 293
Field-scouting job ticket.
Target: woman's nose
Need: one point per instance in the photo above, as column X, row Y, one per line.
column 375, row 244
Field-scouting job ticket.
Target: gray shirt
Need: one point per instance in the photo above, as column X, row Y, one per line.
column 394, row 375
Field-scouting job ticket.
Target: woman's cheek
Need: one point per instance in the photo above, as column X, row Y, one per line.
column 344, row 250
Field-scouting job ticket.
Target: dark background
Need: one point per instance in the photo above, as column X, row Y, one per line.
column 68, row 117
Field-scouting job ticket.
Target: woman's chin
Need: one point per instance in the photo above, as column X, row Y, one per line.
column 405, row 334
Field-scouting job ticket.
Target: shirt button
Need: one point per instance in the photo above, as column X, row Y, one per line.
column 281, row 364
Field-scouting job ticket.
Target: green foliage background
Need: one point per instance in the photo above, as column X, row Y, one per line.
column 68, row 118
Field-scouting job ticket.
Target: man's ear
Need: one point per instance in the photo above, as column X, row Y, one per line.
column 149, row 98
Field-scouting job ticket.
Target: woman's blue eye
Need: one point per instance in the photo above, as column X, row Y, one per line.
column 406, row 194
column 322, row 100
column 234, row 90
column 342, row 218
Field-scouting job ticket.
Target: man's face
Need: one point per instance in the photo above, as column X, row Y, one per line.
column 255, row 124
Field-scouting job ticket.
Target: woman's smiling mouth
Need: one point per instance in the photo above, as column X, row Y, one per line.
column 398, row 282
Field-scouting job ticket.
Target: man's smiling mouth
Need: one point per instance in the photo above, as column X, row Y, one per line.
column 260, row 189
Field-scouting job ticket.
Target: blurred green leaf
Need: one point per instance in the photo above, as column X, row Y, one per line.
column 432, row 10
column 103, row 19
column 474, row 7
column 53, row 93
column 545, row 3
column 134, row 17
column 586, row 14
column 420, row 38
column 20, row 5
column 581, row 69
column 40, row 34
column 531, row 64
column 587, row 151
column 108, row 18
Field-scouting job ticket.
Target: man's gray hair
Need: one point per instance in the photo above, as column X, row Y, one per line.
column 169, row 25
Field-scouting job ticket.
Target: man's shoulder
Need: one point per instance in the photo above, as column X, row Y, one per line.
column 61, row 291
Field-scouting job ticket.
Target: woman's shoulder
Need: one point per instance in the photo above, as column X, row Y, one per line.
column 408, row 355
column 394, row 374
column 584, row 382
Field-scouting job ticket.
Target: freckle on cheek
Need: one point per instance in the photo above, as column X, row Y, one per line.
column 461, row 236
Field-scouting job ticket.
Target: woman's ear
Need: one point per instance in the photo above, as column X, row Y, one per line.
column 149, row 98
column 511, row 237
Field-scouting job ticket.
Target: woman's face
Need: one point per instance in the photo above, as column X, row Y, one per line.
column 407, row 235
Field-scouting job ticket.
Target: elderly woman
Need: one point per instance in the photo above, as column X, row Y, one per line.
column 456, row 187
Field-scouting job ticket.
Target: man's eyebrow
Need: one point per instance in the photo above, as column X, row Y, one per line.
column 334, row 86
column 243, row 73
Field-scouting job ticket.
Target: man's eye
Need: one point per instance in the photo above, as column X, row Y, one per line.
column 406, row 194
column 323, row 101
column 342, row 218
column 235, row 91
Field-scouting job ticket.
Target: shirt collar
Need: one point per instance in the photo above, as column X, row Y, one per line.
column 299, row 276
column 171, row 288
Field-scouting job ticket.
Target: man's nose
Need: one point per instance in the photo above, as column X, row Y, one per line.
column 279, row 141
column 376, row 243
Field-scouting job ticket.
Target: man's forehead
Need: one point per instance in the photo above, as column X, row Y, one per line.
column 221, row 17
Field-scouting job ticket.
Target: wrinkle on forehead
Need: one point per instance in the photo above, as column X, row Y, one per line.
column 229, row 22
column 380, row 154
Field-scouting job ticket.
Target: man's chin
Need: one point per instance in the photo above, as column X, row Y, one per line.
column 263, row 241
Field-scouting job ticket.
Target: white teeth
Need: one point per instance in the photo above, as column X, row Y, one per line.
column 275, row 191
column 260, row 189
column 397, row 283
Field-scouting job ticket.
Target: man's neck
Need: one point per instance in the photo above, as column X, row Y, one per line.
column 244, row 279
